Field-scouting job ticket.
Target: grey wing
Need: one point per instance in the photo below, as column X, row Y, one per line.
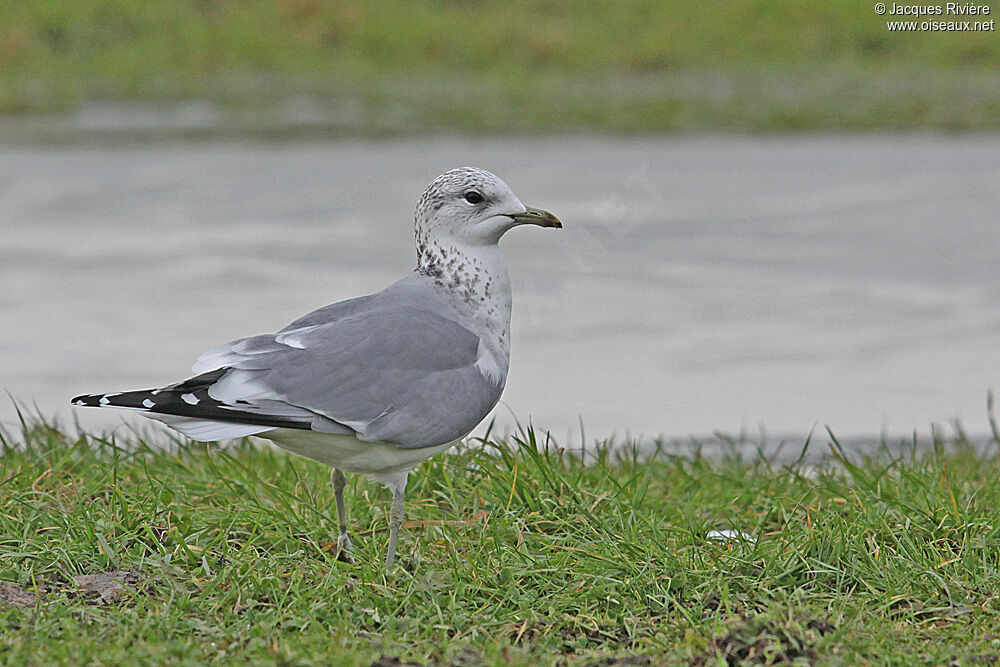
column 236, row 351
column 403, row 375
column 333, row 312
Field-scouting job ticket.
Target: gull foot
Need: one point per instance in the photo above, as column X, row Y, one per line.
column 344, row 549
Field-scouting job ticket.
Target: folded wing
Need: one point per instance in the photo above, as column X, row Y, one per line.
column 402, row 375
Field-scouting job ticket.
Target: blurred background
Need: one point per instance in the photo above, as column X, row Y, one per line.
column 778, row 215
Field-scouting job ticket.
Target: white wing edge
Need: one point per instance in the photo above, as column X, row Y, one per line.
column 205, row 430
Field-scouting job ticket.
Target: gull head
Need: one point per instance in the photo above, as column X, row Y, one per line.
column 472, row 207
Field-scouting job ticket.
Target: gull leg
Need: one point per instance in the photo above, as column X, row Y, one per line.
column 398, row 488
column 343, row 541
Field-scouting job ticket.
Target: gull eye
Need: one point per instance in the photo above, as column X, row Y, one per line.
column 473, row 197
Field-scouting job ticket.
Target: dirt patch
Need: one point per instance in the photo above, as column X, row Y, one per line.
column 465, row 658
column 110, row 587
column 622, row 662
column 393, row 661
column 13, row 595
column 764, row 641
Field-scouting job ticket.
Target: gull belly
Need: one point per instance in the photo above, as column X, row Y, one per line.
column 382, row 461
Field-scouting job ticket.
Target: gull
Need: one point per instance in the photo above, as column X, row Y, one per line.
column 376, row 384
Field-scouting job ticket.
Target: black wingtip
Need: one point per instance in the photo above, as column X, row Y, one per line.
column 121, row 399
column 87, row 400
column 188, row 399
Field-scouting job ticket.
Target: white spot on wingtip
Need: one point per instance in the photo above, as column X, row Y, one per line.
column 148, row 403
column 190, row 399
column 79, row 402
column 104, row 401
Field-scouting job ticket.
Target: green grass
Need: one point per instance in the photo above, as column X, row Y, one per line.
column 406, row 65
column 509, row 556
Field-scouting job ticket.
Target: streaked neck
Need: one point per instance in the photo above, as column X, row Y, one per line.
column 476, row 279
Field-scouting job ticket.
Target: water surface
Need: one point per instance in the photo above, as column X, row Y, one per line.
column 700, row 284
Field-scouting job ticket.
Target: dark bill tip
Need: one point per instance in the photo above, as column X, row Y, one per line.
column 537, row 216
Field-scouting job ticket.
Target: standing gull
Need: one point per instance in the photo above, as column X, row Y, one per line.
column 376, row 384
